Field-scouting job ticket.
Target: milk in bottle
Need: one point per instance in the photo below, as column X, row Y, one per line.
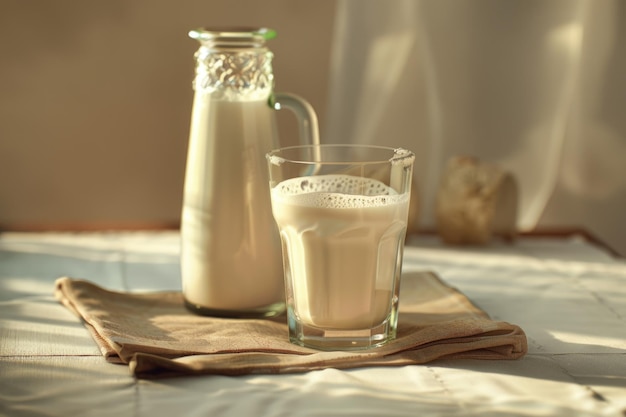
column 230, row 253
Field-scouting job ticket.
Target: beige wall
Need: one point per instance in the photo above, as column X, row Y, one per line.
column 95, row 100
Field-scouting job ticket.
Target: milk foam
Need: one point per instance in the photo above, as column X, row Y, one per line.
column 337, row 191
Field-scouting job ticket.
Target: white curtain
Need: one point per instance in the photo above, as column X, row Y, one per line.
column 535, row 86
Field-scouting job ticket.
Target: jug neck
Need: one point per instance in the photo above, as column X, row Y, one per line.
column 234, row 63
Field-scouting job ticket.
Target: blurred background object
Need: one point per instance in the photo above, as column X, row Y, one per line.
column 95, row 100
column 475, row 202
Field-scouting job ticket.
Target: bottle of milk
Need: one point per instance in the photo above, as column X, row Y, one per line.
column 231, row 261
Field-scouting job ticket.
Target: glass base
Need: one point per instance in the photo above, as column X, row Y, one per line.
column 271, row 310
column 331, row 339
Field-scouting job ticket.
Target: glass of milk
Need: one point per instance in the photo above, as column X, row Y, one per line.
column 342, row 214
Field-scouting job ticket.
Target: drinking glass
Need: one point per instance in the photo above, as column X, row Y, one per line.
column 342, row 215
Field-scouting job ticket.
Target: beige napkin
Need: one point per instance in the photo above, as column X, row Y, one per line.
column 158, row 337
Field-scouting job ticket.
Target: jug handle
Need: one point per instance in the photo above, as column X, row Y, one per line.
column 305, row 114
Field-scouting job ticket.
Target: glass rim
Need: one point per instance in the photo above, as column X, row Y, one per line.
column 396, row 155
column 224, row 33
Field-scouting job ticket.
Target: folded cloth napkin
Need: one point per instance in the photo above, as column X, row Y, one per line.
column 158, row 337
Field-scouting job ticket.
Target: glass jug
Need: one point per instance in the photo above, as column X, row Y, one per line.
column 231, row 262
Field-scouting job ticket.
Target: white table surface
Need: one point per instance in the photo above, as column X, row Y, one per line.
column 568, row 295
